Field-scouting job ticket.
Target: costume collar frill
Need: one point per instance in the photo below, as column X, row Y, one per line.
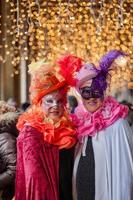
column 61, row 134
column 90, row 123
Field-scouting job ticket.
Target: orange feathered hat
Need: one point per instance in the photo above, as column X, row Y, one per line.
column 45, row 78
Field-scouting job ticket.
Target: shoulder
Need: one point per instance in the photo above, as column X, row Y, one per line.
column 28, row 131
column 7, row 143
column 29, row 135
column 6, row 137
column 120, row 123
column 121, row 129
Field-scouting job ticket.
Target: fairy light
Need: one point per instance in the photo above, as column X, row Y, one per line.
column 120, row 16
column 85, row 28
column 38, row 5
column 121, row 61
column 17, row 16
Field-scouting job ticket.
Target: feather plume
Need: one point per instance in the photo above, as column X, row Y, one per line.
column 108, row 59
column 35, row 67
column 69, row 65
column 100, row 81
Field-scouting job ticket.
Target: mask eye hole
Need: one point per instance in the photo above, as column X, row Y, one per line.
column 49, row 101
column 85, row 89
column 59, row 101
column 86, row 92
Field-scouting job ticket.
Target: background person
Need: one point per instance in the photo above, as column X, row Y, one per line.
column 72, row 103
column 130, row 113
column 8, row 134
column 24, row 106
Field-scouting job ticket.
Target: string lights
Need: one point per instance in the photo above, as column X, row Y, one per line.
column 46, row 29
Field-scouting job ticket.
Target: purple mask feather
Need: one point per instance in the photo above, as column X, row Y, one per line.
column 99, row 83
column 107, row 60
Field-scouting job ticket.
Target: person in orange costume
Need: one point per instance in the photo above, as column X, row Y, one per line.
column 47, row 137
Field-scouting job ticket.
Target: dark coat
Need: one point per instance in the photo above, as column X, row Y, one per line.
column 65, row 173
column 8, row 134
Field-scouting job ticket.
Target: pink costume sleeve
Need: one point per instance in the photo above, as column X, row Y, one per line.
column 37, row 175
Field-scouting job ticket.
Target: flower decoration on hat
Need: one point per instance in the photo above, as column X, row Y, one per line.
column 45, row 78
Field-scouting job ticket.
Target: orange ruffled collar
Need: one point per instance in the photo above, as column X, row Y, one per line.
column 61, row 134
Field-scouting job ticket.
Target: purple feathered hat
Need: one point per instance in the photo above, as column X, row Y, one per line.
column 99, row 74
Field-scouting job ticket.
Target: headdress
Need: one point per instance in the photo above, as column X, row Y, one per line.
column 45, row 78
column 99, row 74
